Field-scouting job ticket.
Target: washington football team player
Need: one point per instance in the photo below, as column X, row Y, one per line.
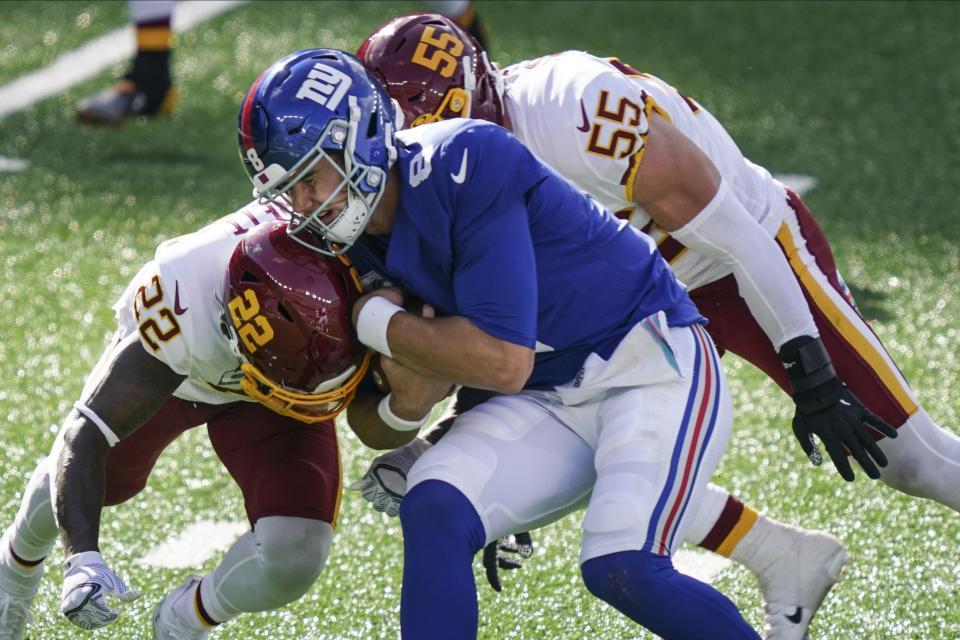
column 238, row 327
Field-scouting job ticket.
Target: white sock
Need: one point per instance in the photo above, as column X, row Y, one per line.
column 705, row 517
column 757, row 550
column 31, row 536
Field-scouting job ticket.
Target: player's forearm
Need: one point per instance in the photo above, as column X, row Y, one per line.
column 455, row 349
column 80, row 487
column 126, row 389
column 726, row 232
column 364, row 420
column 684, row 193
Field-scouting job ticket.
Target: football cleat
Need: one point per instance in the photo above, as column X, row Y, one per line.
column 14, row 614
column 167, row 625
column 122, row 101
column 795, row 585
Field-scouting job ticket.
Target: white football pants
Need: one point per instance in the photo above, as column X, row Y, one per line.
column 637, row 456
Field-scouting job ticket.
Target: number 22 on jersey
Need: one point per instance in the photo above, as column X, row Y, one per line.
column 163, row 326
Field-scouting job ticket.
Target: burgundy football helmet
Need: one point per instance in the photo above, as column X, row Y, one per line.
column 287, row 312
column 434, row 69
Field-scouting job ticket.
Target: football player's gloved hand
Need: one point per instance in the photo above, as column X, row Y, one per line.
column 87, row 582
column 827, row 409
column 385, row 482
column 506, row 553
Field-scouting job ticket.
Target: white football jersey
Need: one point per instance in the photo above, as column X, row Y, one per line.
column 174, row 303
column 587, row 117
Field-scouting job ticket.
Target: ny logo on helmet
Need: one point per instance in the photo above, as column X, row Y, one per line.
column 325, row 85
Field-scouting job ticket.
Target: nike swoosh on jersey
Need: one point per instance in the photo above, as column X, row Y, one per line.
column 797, row 616
column 461, row 175
column 586, row 121
column 177, row 309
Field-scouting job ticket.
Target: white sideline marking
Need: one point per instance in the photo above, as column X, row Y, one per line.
column 798, row 182
column 12, row 165
column 84, row 62
column 700, row 565
column 194, row 545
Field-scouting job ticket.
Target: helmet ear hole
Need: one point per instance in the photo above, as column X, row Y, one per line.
column 283, row 311
column 249, row 277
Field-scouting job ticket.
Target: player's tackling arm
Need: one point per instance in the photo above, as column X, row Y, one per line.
column 132, row 385
column 683, row 193
column 681, row 189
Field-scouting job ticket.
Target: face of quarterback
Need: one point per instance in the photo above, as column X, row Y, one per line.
column 318, row 188
column 325, row 185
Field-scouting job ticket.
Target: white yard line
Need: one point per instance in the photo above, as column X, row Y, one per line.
column 86, row 61
column 196, row 544
column 12, row 165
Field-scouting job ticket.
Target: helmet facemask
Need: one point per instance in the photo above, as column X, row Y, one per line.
column 364, row 186
column 458, row 101
column 324, row 403
column 302, row 109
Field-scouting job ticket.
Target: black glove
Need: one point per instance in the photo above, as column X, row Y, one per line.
column 826, row 408
column 506, row 553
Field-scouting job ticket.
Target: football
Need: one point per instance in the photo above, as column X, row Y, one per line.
column 379, row 378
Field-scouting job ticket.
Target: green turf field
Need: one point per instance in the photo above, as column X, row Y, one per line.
column 862, row 96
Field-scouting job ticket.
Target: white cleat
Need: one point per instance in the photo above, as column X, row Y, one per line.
column 794, row 586
column 167, row 624
column 14, row 615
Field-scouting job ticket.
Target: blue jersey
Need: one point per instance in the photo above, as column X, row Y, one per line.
column 485, row 230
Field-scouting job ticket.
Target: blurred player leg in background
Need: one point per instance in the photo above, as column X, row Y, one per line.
column 464, row 13
column 147, row 87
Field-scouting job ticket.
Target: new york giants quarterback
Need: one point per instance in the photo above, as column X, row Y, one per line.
column 613, row 395
column 238, row 327
column 756, row 262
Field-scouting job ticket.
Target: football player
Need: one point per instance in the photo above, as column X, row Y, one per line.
column 613, row 396
column 239, row 327
column 146, row 89
column 757, row 265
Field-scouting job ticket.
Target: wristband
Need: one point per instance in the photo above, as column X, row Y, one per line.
column 395, row 422
column 373, row 321
column 82, row 559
